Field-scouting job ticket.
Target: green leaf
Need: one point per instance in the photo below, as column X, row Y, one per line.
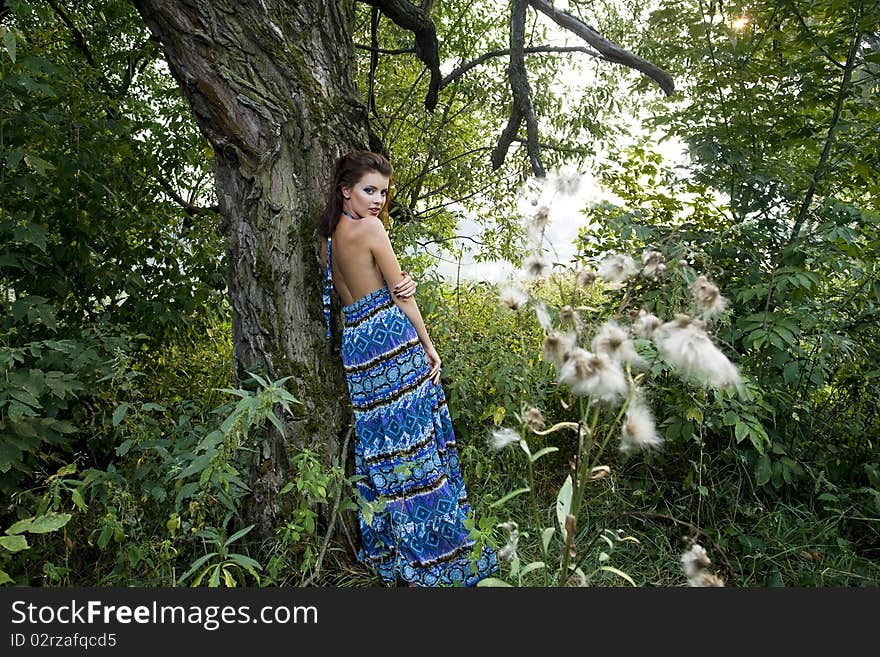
column 198, row 563
column 237, row 535
column 39, row 165
column 543, row 452
column 619, row 573
column 546, row 535
column 14, row 543
column 214, row 582
column 25, row 397
column 5, row 579
column 198, row 464
column 534, row 565
column 763, row 470
column 48, row 522
column 274, row 420
column 8, row 41
column 509, row 496
column 250, row 564
column 563, row 505
column 119, row 414
column 694, row 413
column 493, row 581
column 78, row 500
column 498, row 415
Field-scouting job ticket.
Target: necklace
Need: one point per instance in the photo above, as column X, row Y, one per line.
column 349, row 214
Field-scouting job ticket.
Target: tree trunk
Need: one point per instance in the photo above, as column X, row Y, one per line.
column 270, row 84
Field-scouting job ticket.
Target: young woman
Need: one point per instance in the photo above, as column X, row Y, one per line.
column 405, row 448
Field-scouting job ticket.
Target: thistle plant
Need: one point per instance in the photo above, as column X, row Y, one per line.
column 605, row 366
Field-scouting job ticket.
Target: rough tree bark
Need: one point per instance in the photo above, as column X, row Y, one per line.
column 270, row 84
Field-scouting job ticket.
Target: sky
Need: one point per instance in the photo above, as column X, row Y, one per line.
column 565, row 219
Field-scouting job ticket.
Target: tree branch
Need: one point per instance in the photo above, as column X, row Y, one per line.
column 507, row 136
column 832, row 129
column 189, row 208
column 522, row 107
column 418, row 21
column 610, row 51
column 386, row 51
column 83, row 47
column 78, row 37
column 551, row 147
column 466, row 67
column 144, row 54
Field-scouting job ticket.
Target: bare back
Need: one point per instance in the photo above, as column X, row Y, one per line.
column 354, row 269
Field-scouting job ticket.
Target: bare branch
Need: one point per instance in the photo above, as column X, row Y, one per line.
column 467, row 66
column 507, row 137
column 189, row 208
column 441, row 240
column 611, row 51
column 418, row 21
column 522, row 107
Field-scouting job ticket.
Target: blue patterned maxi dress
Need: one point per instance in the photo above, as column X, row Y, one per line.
column 405, row 450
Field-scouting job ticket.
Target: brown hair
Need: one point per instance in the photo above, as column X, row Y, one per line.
column 350, row 168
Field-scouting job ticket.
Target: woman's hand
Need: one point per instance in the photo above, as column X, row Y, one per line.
column 434, row 362
column 406, row 288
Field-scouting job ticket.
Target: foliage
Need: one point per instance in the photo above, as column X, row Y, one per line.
column 83, row 157
column 116, row 430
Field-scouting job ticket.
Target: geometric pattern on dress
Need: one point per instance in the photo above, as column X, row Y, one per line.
column 405, row 452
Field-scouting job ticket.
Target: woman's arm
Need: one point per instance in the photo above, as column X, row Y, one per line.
column 380, row 246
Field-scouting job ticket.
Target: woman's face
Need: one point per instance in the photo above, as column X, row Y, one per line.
column 367, row 196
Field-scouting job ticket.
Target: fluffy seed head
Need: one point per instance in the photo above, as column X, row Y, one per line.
column 707, row 297
column 501, row 438
column 557, row 346
column 533, row 419
column 570, row 317
column 509, row 549
column 617, row 268
column 696, row 568
column 686, row 346
column 695, row 561
column 639, row 429
column 613, row 342
column 645, row 324
column 541, row 218
column 586, row 277
column 593, row 375
column 567, row 184
column 543, row 315
column 536, row 266
column 514, row 298
column 653, row 263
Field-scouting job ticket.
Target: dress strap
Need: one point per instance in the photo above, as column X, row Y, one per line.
column 328, row 288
